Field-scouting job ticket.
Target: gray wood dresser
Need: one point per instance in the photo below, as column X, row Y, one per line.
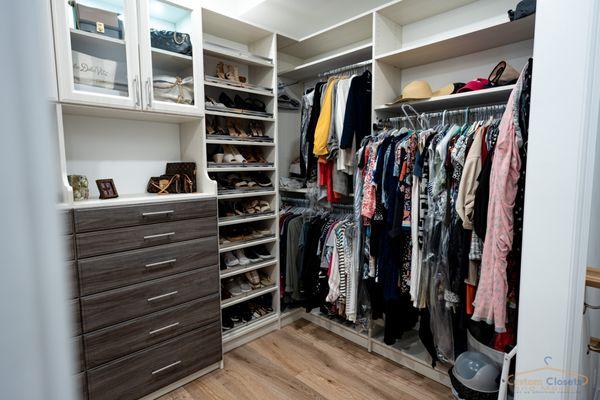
column 145, row 295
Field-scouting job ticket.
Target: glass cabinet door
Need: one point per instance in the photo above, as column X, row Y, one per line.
column 170, row 53
column 97, row 58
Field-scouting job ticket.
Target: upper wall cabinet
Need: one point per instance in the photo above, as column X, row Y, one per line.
column 129, row 54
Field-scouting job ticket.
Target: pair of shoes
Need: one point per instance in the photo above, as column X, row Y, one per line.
column 238, row 234
column 228, row 154
column 235, row 286
column 253, row 155
column 248, row 104
column 235, row 258
column 232, row 73
column 256, row 206
column 234, row 129
column 258, row 253
column 212, row 103
column 263, row 180
column 257, row 128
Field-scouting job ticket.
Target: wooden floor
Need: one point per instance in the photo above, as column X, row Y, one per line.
column 304, row 361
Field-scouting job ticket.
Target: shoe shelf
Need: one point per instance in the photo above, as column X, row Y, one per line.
column 239, row 88
column 242, row 219
column 246, row 193
column 240, row 168
column 232, row 114
column 247, row 296
column 250, row 326
column 226, row 273
column 246, row 243
column 237, row 142
column 225, row 53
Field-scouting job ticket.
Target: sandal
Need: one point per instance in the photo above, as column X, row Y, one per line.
column 264, row 206
column 233, row 73
column 249, row 155
column 239, row 158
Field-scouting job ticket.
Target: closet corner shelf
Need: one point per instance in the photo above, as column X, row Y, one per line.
column 239, row 142
column 239, row 169
column 140, row 199
column 478, row 97
column 245, row 219
column 289, row 190
column 249, row 327
column 247, row 296
column 495, row 33
column 343, row 58
column 234, row 55
column 238, row 115
column 166, row 60
column 230, row 247
column 592, row 278
column 246, row 194
column 242, row 269
column 239, row 88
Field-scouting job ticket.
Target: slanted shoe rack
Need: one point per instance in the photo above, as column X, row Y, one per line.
column 253, row 51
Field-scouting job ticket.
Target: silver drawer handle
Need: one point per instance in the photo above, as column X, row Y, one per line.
column 150, row 214
column 162, row 296
column 164, row 328
column 158, row 371
column 157, row 264
column 160, row 235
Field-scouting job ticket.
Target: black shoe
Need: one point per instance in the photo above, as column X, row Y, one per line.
column 226, row 100
column 263, row 180
column 262, row 252
column 252, row 255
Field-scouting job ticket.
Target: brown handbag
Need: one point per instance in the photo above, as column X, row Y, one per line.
column 187, row 173
column 164, row 184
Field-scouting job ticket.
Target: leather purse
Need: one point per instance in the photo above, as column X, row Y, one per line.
column 187, row 173
column 176, row 42
column 96, row 20
column 164, row 184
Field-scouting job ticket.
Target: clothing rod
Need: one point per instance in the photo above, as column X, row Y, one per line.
column 306, row 203
column 454, row 111
column 345, row 68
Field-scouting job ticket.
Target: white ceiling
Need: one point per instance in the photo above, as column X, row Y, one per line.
column 293, row 18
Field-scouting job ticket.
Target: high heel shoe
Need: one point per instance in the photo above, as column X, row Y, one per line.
column 231, row 128
column 220, row 70
column 241, row 133
column 226, row 100
column 210, row 130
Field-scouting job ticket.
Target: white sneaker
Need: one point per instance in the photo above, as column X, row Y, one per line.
column 230, row 260
column 242, row 259
column 242, row 284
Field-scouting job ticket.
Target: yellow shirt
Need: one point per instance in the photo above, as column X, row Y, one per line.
column 324, row 122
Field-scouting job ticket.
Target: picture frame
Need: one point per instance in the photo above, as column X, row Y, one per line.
column 107, row 189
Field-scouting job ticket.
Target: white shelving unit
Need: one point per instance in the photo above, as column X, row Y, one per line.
column 252, row 51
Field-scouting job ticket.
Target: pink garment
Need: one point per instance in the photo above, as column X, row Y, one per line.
column 490, row 301
column 369, row 187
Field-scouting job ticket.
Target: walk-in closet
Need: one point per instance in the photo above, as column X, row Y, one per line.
column 272, row 199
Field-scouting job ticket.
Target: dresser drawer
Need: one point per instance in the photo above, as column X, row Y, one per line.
column 118, row 305
column 119, row 340
column 107, row 272
column 73, row 280
column 95, row 219
column 77, row 346
column 69, row 243
column 81, row 385
column 123, row 239
column 76, row 316
column 66, row 220
column 146, row 371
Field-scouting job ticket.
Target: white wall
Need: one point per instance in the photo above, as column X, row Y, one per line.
column 558, row 193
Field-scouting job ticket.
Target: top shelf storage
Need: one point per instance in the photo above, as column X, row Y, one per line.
column 490, row 34
column 346, row 43
column 230, row 29
column 404, row 12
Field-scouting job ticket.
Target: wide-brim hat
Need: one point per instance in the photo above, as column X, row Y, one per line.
column 415, row 90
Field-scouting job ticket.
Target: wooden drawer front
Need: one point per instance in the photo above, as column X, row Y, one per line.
column 95, row 219
column 76, row 316
column 66, row 221
column 109, row 308
column 117, row 341
column 77, row 346
column 69, row 247
column 103, row 273
column 81, row 385
column 148, row 370
column 123, row 239
column 73, row 280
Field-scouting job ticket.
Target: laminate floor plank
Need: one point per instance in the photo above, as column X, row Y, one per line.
column 305, row 361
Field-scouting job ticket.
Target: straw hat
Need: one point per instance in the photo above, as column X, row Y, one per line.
column 416, row 90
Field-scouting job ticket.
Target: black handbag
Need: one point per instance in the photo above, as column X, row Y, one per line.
column 176, row 42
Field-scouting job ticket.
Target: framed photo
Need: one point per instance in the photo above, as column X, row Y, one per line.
column 107, row 188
